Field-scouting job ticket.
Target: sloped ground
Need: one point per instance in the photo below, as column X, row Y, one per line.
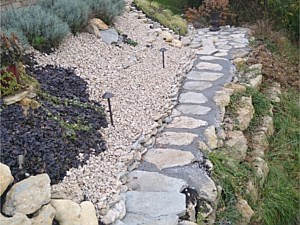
column 140, row 86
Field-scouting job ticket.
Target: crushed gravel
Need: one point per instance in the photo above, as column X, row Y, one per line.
column 140, row 86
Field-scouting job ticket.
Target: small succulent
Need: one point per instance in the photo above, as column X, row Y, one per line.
column 11, row 50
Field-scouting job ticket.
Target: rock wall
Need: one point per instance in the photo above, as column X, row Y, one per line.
column 9, row 4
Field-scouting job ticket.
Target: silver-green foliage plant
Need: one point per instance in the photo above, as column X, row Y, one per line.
column 106, row 10
column 73, row 12
column 42, row 28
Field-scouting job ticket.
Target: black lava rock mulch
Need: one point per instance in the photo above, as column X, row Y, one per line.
column 51, row 137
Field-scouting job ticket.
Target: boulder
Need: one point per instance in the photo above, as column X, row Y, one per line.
column 74, row 193
column 98, row 23
column 44, row 216
column 245, row 210
column 92, row 29
column 259, row 144
column 236, row 145
column 167, row 36
column 11, row 99
column 109, row 36
column 117, row 212
column 5, row 177
column 185, row 41
column 222, row 97
column 256, row 82
column 67, row 212
column 237, row 88
column 238, row 61
column 245, row 113
column 28, row 195
column 17, row 219
column 176, row 43
column 88, row 214
column 211, row 137
column 261, row 170
column 267, row 125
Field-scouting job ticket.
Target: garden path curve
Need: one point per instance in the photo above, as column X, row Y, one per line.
column 175, row 162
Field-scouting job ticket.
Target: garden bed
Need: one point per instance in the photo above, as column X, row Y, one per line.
column 60, row 134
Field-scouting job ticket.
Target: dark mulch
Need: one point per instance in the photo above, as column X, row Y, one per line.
column 52, row 136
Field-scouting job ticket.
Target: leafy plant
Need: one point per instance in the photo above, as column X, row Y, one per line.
column 10, row 49
column 131, row 42
column 8, row 83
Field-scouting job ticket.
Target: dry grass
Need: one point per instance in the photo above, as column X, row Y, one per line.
column 280, row 58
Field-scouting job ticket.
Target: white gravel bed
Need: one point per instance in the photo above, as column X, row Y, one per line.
column 141, row 91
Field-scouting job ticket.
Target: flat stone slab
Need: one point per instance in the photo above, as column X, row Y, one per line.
column 209, row 66
column 109, row 36
column 138, row 219
column 155, row 204
column 192, row 97
column 197, row 178
column 211, row 58
column 193, row 109
column 173, row 138
column 165, row 157
column 154, row 182
column 206, row 76
column 186, row 122
column 197, row 85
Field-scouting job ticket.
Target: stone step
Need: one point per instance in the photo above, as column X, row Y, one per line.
column 176, row 138
column 138, row 219
column 165, row 158
column 154, row 182
column 206, row 76
column 186, row 122
column 192, row 97
column 155, row 204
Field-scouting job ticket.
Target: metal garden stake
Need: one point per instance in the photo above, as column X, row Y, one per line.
column 107, row 96
column 163, row 50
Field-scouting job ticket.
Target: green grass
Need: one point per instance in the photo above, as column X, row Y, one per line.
column 280, row 196
column 232, row 177
column 165, row 12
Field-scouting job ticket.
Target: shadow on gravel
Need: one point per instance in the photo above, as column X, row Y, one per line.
column 62, row 133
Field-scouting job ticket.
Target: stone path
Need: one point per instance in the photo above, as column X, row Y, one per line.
column 175, row 162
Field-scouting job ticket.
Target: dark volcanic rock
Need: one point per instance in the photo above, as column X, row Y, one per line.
column 52, row 136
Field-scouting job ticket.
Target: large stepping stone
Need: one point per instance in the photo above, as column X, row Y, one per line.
column 206, row 76
column 155, row 204
column 196, row 178
column 165, row 157
column 209, row 66
column 197, row 85
column 137, row 219
column 193, row 109
column 211, row 58
column 154, row 182
column 192, row 97
column 186, row 122
column 173, row 138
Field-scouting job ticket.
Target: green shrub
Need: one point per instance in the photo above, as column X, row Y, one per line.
column 9, row 84
column 106, row 10
column 74, row 12
column 286, row 14
column 159, row 10
column 20, row 35
column 36, row 24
